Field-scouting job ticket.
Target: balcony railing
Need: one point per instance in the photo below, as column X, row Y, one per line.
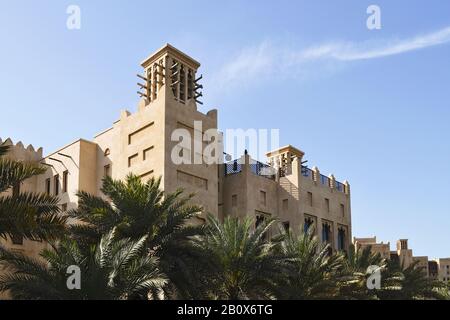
column 266, row 171
column 324, row 180
column 339, row 186
column 258, row 168
column 307, row 173
column 233, row 167
column 263, row 170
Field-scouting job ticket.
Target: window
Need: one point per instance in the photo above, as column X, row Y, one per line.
column 107, row 170
column 107, row 152
column 47, row 186
column 234, row 200
column 17, row 239
column 259, row 220
column 310, row 199
column 327, row 204
column 65, row 176
column 342, row 210
column 326, row 232
column 341, row 239
column 308, row 223
column 285, row 205
column 262, row 197
column 286, row 226
column 56, row 184
column 64, row 207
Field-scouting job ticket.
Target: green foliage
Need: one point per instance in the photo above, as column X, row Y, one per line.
column 136, row 209
column 353, row 273
column 112, row 269
column 137, row 242
column 310, row 271
column 239, row 262
column 410, row 283
column 29, row 215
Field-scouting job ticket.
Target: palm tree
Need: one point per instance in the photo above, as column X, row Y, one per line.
column 239, row 263
column 353, row 278
column 409, row 283
column 136, row 209
column 311, row 272
column 25, row 214
column 112, row 269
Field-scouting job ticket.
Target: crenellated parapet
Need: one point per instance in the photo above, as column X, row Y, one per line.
column 19, row 152
column 284, row 158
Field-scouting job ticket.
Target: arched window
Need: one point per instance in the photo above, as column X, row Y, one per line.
column 341, row 239
column 308, row 223
column 326, row 232
column 107, row 152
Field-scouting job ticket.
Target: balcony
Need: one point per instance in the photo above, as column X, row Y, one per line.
column 233, row 167
column 263, row 170
column 256, row 167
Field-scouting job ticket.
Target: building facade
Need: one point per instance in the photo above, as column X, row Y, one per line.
column 436, row 269
column 145, row 142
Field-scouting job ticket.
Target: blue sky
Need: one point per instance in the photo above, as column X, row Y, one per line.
column 371, row 107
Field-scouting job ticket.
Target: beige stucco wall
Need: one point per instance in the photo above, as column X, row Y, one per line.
column 294, row 188
column 444, row 269
column 148, row 130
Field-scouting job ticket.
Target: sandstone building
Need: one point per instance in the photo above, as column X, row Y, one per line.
column 142, row 143
column 438, row 269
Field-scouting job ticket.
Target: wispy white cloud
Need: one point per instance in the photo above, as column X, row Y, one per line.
column 266, row 59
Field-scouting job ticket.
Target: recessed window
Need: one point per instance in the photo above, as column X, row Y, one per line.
column 56, row 184
column 310, row 199
column 234, row 200
column 259, row 220
column 107, row 152
column 308, row 223
column 341, row 239
column 285, row 205
column 342, row 210
column 326, row 232
column 47, row 186
column 65, row 177
column 286, row 226
column 262, row 197
column 327, row 204
column 64, row 207
column 107, row 171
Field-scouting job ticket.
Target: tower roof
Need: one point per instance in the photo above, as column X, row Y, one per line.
column 284, row 149
column 169, row 49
